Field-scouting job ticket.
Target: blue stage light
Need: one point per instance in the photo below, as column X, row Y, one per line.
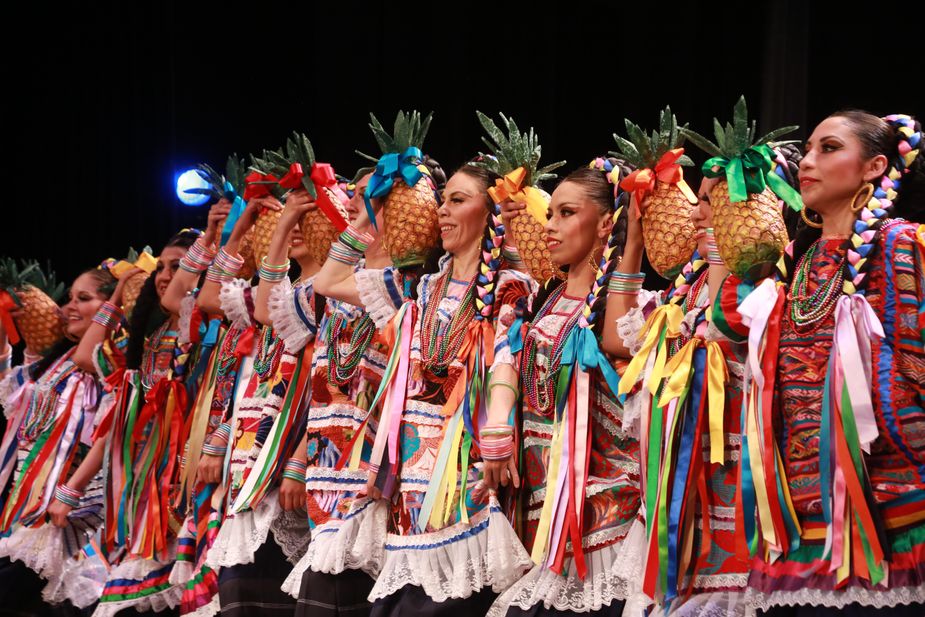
column 189, row 179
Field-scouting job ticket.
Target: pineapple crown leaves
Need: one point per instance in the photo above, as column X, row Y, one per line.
column 409, row 131
column 510, row 149
column 14, row 276
column 235, row 171
column 744, row 161
column 299, row 150
column 270, row 162
column 645, row 151
column 735, row 138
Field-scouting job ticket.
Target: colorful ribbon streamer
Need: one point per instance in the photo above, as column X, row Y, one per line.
column 392, row 166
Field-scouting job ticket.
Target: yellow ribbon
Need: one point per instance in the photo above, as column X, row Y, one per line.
column 717, row 376
column 666, row 316
column 511, row 187
column 541, row 539
column 755, row 458
column 145, row 261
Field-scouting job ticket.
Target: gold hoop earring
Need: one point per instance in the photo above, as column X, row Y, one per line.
column 869, row 188
column 806, row 220
column 594, row 259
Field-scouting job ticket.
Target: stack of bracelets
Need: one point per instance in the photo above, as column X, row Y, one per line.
column 350, row 246
column 496, row 442
column 273, row 273
column 218, row 442
column 713, row 257
column 224, row 268
column 109, row 316
column 295, row 470
column 625, row 284
column 68, row 496
column 198, row 257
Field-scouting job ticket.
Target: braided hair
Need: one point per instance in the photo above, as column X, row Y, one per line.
column 899, row 138
column 490, row 245
column 787, row 167
column 612, row 171
column 147, row 315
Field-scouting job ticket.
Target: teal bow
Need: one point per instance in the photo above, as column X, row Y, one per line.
column 750, row 172
column 582, row 348
column 389, row 167
column 237, row 208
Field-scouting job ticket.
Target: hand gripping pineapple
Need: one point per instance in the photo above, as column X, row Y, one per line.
column 662, row 196
column 38, row 319
column 230, row 187
column 261, row 183
column 516, row 157
column 409, row 191
column 298, row 169
column 750, row 231
column 143, row 264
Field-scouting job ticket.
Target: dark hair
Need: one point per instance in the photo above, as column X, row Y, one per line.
column 105, row 285
column 148, row 315
column 878, row 136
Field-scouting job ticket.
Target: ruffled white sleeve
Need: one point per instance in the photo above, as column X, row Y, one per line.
column 631, row 325
column 11, row 387
column 233, row 300
column 292, row 314
column 381, row 294
column 187, row 308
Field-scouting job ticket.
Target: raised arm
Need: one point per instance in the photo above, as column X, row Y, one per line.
column 627, row 280
column 197, row 259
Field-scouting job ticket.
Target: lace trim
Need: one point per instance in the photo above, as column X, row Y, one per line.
column 836, row 599
column 631, row 325
column 80, row 582
column 457, row 561
column 637, row 403
column 136, row 569
column 234, row 305
column 243, row 533
column 187, row 306
column 356, row 542
column 292, row 534
column 375, row 293
column 614, row 573
column 11, row 390
column 295, row 330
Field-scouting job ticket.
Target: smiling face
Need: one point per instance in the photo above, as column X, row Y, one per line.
column 834, row 166
column 576, row 225
column 167, row 264
column 84, row 300
column 462, row 216
column 297, row 248
column 702, row 213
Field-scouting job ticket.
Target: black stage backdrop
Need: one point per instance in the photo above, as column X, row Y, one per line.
column 105, row 102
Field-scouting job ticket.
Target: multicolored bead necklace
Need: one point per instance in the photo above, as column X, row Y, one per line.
column 162, row 341
column 540, row 391
column 442, row 348
column 44, row 400
column 343, row 366
column 807, row 309
column 267, row 360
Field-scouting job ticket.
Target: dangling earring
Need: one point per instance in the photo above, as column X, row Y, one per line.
column 869, row 188
column 594, row 259
column 806, row 220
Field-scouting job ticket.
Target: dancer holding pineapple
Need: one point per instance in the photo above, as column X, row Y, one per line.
column 51, row 406
column 834, row 466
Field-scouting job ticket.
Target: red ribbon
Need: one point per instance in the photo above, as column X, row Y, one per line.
column 642, row 181
column 258, row 185
column 293, row 177
column 7, row 304
column 324, row 180
column 245, row 343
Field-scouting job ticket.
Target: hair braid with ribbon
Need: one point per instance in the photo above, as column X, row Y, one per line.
column 615, row 170
column 490, row 245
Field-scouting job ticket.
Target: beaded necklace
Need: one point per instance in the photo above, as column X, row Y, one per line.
column 267, row 360
column 442, row 347
column 808, row 309
column 342, row 366
column 540, row 391
column 227, row 359
column 48, row 389
column 689, row 303
column 162, row 341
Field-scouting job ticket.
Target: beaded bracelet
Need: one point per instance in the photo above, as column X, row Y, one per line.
column 713, row 257
column 210, row 449
column 625, row 284
column 272, row 273
column 222, row 433
column 224, row 268
column 109, row 316
column 68, row 496
column 197, row 258
column 295, row 470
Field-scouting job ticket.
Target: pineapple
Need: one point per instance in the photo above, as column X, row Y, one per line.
column 147, row 262
column 409, row 212
column 256, row 247
column 667, row 230
column 318, row 228
column 750, row 233
column 40, row 325
column 510, row 152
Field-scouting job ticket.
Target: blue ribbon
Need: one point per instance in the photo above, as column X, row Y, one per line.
column 389, row 167
column 581, row 347
column 515, row 337
column 237, row 209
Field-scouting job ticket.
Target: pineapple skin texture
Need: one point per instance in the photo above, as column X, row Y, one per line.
column 246, row 252
column 318, row 232
column 263, row 234
column 528, row 234
column 131, row 291
column 41, row 324
column 411, row 228
column 667, row 229
column 750, row 235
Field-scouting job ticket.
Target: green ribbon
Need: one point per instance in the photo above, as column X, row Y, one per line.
column 750, row 172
